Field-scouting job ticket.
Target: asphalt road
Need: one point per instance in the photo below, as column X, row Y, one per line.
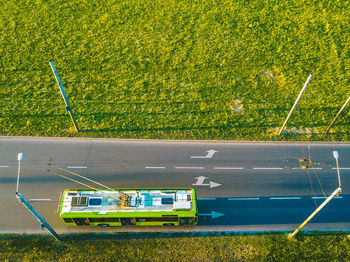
column 241, row 186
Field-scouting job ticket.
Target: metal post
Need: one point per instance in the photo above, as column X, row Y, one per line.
column 336, row 192
column 336, row 156
column 43, row 222
column 295, row 103
column 21, row 198
column 347, row 101
column 68, row 108
column 20, row 157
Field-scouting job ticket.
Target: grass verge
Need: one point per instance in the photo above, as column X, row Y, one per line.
column 266, row 247
column 175, row 70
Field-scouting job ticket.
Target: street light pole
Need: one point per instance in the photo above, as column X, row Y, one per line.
column 336, row 117
column 295, row 103
column 336, row 156
column 20, row 157
column 335, row 193
column 68, row 108
column 21, row 198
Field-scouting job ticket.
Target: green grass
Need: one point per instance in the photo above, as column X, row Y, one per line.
column 270, row 247
column 176, row 69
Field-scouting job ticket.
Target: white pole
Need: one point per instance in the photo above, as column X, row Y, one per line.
column 336, row 192
column 295, row 103
column 20, row 157
column 336, row 156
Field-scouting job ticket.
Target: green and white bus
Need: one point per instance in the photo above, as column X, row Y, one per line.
column 129, row 206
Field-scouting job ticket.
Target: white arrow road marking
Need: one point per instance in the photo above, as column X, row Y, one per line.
column 213, row 214
column 210, row 154
column 213, row 184
column 200, row 182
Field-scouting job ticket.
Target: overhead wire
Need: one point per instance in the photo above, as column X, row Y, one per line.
column 123, row 197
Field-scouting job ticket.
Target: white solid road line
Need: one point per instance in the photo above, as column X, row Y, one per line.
column 345, row 168
column 268, row 168
column 4, row 166
column 189, row 167
column 284, row 198
column 39, row 199
column 228, row 168
column 244, row 198
column 155, row 167
column 76, row 166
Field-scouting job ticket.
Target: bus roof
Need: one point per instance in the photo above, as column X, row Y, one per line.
column 145, row 200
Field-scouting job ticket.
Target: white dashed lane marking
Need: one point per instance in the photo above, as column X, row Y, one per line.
column 189, row 167
column 268, row 168
column 221, row 168
column 243, row 198
column 40, row 199
column 227, row 168
column 76, row 166
column 4, row 166
column 284, row 198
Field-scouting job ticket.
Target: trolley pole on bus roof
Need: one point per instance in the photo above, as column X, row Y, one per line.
column 335, row 193
column 68, row 108
column 21, row 198
column 347, row 101
column 295, row 103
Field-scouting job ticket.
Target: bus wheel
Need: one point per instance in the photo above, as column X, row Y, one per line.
column 103, row 225
column 168, row 224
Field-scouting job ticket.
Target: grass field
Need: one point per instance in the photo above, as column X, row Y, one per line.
column 270, row 247
column 176, row 69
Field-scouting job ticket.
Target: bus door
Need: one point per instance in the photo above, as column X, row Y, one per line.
column 187, row 220
column 128, row 221
column 81, row 221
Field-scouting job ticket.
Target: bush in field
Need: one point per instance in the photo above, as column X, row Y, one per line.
column 180, row 69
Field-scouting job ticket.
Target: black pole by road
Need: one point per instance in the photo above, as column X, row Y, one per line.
column 68, row 108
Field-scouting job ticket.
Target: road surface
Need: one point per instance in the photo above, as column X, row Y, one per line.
column 240, row 186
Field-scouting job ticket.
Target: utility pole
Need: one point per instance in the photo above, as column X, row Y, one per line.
column 21, row 198
column 68, row 108
column 347, row 101
column 295, row 103
column 335, row 193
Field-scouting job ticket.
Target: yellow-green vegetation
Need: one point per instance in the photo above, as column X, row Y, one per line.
column 270, row 247
column 178, row 69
